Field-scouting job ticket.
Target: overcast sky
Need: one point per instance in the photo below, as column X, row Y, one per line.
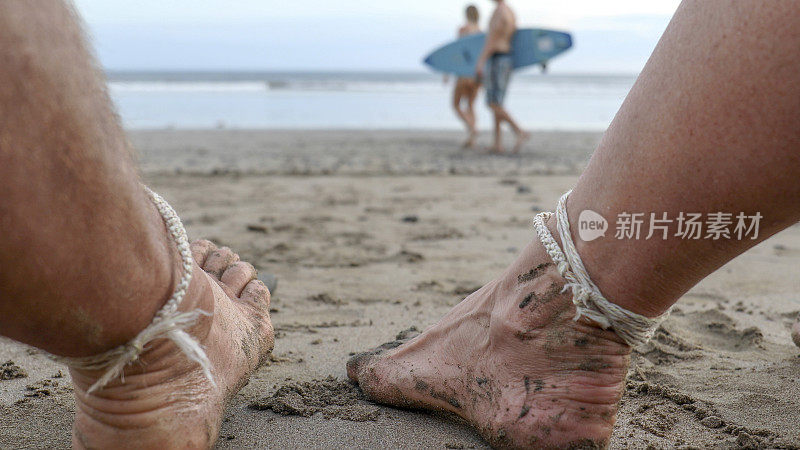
column 612, row 36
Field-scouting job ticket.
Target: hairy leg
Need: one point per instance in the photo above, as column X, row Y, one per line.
column 86, row 261
column 710, row 126
column 63, row 151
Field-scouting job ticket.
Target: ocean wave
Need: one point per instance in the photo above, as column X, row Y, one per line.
column 521, row 86
column 187, row 86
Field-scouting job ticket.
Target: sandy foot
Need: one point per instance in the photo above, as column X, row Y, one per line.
column 166, row 402
column 511, row 361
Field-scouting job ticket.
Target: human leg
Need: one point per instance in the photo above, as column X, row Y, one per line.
column 498, row 132
column 460, row 94
column 472, row 120
column 509, row 358
column 501, row 115
column 501, row 67
column 85, row 255
column 495, row 92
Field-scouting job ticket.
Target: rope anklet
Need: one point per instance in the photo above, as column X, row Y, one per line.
column 167, row 324
column 634, row 329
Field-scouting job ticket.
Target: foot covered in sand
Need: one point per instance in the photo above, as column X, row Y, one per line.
column 164, row 400
column 796, row 332
column 511, row 361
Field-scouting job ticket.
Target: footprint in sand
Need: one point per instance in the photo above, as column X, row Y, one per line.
column 714, row 329
column 668, row 347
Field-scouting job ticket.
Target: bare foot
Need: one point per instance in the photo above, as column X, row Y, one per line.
column 470, row 142
column 495, row 150
column 166, row 402
column 796, row 332
column 522, row 138
column 510, row 360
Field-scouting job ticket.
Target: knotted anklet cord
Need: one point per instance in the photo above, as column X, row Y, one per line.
column 634, row 329
column 167, row 324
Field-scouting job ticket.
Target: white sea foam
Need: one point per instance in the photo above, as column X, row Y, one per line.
column 313, row 100
column 187, row 86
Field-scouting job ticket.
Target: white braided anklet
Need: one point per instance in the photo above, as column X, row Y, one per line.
column 167, row 324
column 634, row 329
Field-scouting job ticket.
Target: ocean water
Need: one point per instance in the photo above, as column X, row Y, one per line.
column 303, row 100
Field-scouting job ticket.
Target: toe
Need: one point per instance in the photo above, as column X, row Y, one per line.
column 359, row 361
column 218, row 261
column 201, row 249
column 355, row 364
column 256, row 293
column 237, row 275
column 255, row 302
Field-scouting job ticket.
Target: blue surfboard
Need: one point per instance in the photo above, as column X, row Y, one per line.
column 530, row 46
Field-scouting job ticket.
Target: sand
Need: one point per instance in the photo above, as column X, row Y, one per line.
column 371, row 233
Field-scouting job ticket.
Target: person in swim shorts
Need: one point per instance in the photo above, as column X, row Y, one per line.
column 497, row 53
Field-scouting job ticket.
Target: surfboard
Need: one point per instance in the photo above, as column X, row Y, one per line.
column 530, row 46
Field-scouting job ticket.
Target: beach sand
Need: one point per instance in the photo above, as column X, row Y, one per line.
column 370, row 233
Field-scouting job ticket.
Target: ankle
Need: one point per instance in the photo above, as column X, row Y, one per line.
column 530, row 295
column 614, row 282
column 156, row 363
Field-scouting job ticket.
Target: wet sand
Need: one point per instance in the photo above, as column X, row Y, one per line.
column 371, row 233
